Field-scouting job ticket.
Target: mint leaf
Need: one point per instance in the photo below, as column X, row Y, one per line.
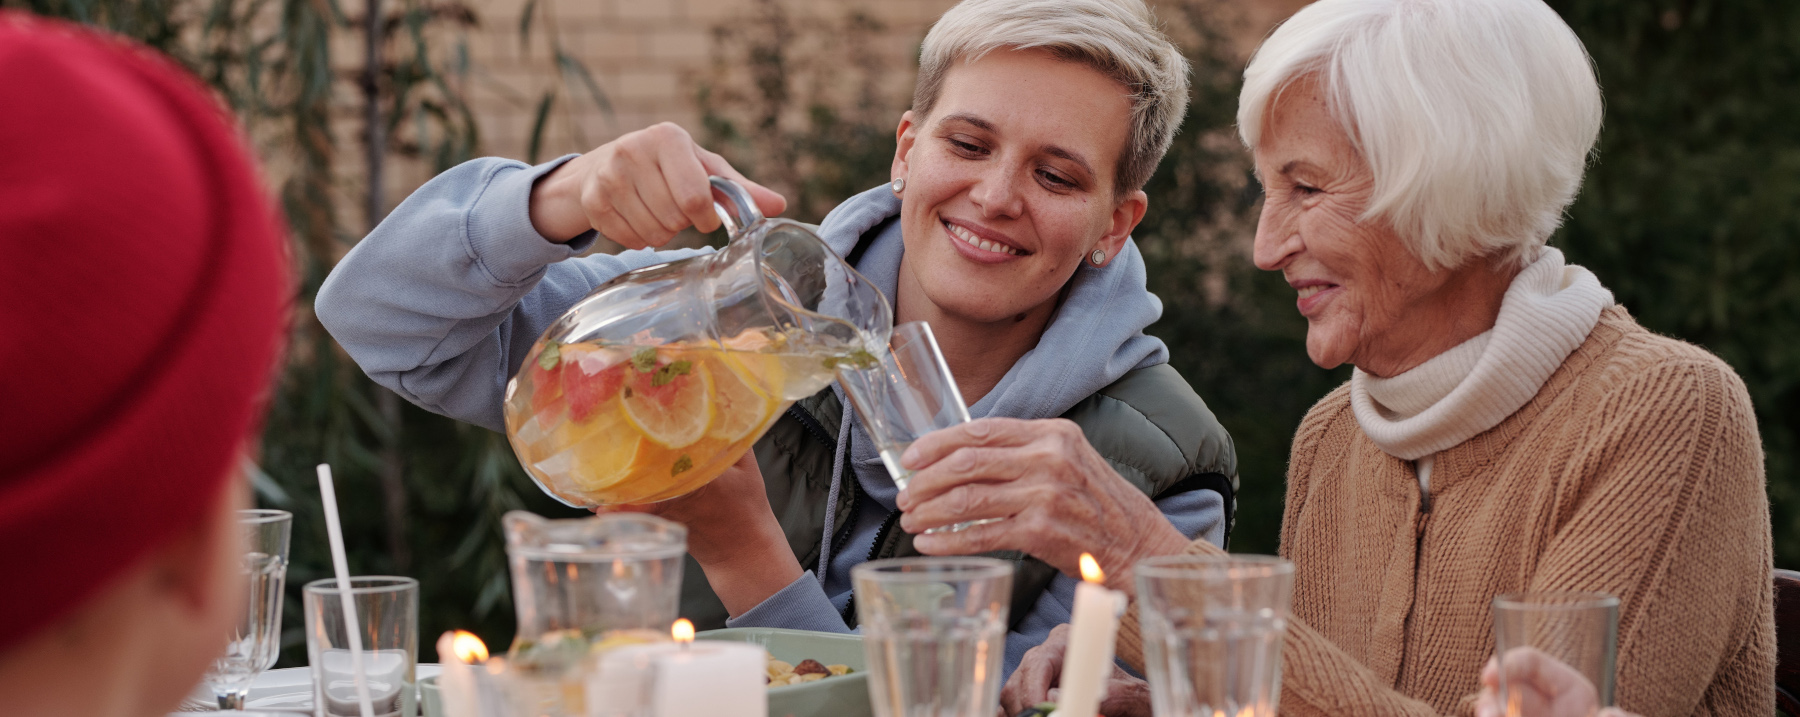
column 644, row 359
column 859, row 359
column 665, row 374
column 681, row 465
column 550, row 356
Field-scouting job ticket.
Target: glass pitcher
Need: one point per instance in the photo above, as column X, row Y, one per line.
column 583, row 582
column 659, row 380
column 581, row 587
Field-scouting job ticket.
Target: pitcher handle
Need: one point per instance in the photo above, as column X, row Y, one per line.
column 733, row 205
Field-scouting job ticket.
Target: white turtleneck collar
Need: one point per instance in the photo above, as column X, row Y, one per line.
column 1547, row 312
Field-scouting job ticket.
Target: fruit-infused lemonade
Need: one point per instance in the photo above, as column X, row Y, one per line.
column 623, row 424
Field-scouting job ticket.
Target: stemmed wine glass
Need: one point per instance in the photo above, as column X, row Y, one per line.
column 256, row 638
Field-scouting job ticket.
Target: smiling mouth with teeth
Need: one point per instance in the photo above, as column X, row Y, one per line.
column 1306, row 292
column 966, row 237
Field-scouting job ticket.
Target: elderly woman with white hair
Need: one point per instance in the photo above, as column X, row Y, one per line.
column 1508, row 427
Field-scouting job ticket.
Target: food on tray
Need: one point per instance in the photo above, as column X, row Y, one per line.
column 783, row 673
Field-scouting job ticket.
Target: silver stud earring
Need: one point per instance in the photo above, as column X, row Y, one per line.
column 899, row 184
column 1098, row 257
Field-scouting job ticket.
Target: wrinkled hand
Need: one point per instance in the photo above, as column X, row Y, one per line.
column 1035, row 681
column 1059, row 498
column 1544, row 687
column 733, row 534
column 638, row 190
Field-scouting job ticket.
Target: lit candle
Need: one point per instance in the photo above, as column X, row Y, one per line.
column 685, row 678
column 461, row 683
column 1088, row 662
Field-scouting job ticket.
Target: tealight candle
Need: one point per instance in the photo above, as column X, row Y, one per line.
column 1093, row 626
column 686, row 678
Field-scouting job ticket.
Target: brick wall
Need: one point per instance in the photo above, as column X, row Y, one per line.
column 651, row 57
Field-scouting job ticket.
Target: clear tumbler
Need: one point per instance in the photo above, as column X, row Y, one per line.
column 1213, row 628
column 934, row 633
column 387, row 619
column 1557, row 652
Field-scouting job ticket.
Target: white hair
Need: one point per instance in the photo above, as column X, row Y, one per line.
column 1117, row 38
column 1476, row 116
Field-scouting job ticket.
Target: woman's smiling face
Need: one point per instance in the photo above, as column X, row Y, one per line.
column 1009, row 183
column 1367, row 298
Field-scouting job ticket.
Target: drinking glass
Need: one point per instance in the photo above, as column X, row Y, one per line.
column 387, row 619
column 934, row 633
column 1556, row 652
column 1212, row 629
column 256, row 637
column 906, row 395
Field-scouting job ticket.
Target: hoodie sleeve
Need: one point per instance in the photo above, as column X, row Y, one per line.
column 441, row 302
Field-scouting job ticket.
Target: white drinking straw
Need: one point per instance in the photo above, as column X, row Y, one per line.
column 335, row 533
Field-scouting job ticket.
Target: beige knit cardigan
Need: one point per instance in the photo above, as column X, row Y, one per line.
column 1636, row 471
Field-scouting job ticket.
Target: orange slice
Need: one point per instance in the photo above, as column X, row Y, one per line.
column 605, row 451
column 741, row 404
column 670, row 407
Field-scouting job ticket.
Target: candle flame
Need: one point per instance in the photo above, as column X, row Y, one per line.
column 468, row 648
column 683, row 630
column 1090, row 569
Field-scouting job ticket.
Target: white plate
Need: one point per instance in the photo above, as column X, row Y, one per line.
column 290, row 688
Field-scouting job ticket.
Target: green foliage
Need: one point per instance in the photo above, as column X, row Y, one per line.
column 797, row 105
column 1691, row 210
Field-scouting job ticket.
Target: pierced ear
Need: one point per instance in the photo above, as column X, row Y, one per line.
column 1125, row 218
column 904, row 137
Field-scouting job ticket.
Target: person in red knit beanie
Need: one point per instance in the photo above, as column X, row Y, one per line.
column 143, row 300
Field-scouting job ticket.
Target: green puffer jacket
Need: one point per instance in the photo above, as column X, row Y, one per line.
column 1149, row 425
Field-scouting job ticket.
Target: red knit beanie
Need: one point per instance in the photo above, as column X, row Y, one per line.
column 143, row 301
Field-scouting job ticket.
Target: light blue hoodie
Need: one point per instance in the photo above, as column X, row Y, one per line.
column 443, row 300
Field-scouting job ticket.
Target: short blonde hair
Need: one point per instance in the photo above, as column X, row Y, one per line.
column 1477, row 117
column 1118, row 38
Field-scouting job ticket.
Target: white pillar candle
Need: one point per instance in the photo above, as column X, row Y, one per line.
column 1088, row 661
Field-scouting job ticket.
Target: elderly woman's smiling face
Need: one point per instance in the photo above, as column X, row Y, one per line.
column 1367, row 298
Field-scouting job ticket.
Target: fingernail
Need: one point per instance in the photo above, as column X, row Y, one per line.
column 909, row 457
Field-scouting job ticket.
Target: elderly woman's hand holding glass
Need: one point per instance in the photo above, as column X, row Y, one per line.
column 1507, row 427
column 1057, row 496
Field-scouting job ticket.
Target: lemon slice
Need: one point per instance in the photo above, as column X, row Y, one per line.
column 740, row 403
column 674, row 414
column 605, row 451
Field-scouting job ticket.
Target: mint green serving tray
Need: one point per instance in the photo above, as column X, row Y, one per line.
column 841, row 696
